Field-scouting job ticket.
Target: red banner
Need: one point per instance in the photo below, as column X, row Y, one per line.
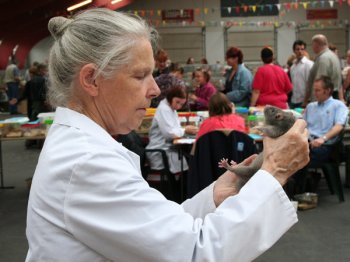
column 178, row 15
column 321, row 14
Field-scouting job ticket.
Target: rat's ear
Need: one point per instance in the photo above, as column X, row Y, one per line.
column 87, row 81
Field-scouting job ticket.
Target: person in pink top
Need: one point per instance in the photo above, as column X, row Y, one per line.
column 271, row 84
column 221, row 116
column 200, row 99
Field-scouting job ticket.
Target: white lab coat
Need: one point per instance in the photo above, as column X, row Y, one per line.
column 89, row 202
column 165, row 126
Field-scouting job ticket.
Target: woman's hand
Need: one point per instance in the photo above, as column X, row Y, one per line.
column 285, row 155
column 192, row 97
column 226, row 184
column 191, row 130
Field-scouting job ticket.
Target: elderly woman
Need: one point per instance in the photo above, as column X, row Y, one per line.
column 165, row 128
column 88, row 200
column 238, row 78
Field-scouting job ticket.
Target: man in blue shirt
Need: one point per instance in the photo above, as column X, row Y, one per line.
column 325, row 119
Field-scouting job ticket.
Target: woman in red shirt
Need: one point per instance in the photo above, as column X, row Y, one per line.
column 221, row 116
column 271, row 84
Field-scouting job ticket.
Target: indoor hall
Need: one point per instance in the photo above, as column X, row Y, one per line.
column 197, row 29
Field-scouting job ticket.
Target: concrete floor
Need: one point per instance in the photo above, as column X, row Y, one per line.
column 322, row 234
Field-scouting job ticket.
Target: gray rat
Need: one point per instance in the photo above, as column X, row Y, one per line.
column 277, row 122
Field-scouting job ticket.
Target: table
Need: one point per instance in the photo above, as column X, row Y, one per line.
column 4, row 139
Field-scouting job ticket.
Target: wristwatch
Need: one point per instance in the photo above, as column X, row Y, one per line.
column 324, row 138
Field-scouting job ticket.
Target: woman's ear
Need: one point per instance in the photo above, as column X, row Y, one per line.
column 87, row 81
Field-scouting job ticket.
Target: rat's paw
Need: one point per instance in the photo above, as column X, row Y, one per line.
column 223, row 163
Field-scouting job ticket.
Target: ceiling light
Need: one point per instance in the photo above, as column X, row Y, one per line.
column 73, row 7
column 115, row 1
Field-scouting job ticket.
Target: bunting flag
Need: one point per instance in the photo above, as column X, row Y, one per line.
column 313, row 4
column 282, row 8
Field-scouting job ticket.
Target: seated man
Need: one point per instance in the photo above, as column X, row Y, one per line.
column 325, row 119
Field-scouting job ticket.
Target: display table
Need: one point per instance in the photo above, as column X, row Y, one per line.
column 5, row 139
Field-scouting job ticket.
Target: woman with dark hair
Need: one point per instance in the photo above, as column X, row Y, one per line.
column 165, row 128
column 271, row 84
column 221, row 116
column 205, row 89
column 238, row 78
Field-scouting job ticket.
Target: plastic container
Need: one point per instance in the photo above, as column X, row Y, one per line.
column 252, row 121
column 243, row 112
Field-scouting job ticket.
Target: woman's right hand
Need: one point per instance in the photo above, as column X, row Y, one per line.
column 285, row 155
column 191, row 130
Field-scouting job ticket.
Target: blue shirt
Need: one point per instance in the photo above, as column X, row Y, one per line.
column 240, row 87
column 321, row 117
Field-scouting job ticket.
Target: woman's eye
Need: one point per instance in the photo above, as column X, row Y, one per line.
column 140, row 77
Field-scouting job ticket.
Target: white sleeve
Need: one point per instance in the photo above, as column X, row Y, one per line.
column 116, row 214
column 201, row 204
column 169, row 123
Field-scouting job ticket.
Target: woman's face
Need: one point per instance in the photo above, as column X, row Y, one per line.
column 122, row 100
column 199, row 77
column 232, row 61
column 177, row 103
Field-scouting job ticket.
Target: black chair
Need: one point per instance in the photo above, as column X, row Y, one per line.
column 166, row 183
column 330, row 167
column 209, row 150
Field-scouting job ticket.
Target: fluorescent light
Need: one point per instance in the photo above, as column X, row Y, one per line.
column 115, row 1
column 73, row 7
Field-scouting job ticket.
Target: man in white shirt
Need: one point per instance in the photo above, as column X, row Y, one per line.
column 299, row 73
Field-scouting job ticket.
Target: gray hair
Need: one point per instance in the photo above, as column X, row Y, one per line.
column 321, row 40
column 99, row 36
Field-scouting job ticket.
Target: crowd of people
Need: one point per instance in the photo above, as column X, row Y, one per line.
column 32, row 87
